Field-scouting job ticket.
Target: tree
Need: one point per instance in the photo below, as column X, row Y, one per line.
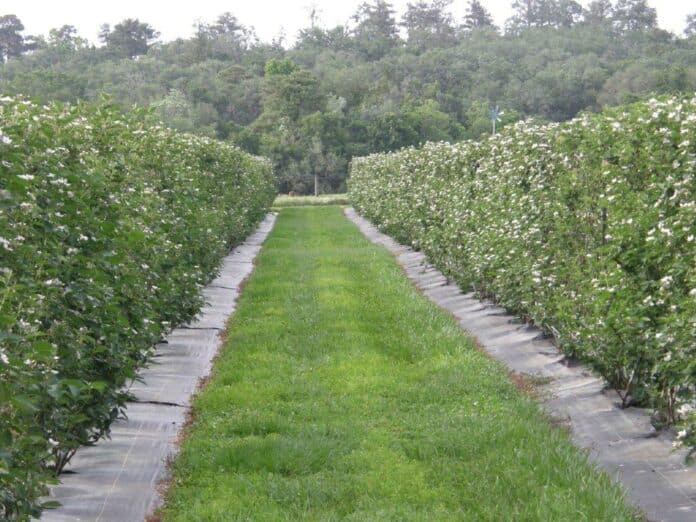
column 52, row 85
column 690, row 29
column 128, row 38
column 634, row 15
column 227, row 23
column 104, row 32
column 32, row 43
column 428, row 24
column 295, row 127
column 392, row 131
column 526, row 14
column 544, row 13
column 565, row 13
column 293, row 95
column 318, row 39
column 175, row 110
column 228, row 27
column 225, row 39
column 66, row 37
column 12, row 42
column 431, row 123
column 477, row 17
column 280, row 67
column 375, row 32
column 598, row 12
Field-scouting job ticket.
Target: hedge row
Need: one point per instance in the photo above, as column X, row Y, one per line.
column 109, row 227
column 585, row 228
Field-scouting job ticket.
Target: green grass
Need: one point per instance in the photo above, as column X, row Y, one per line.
column 343, row 394
column 300, row 201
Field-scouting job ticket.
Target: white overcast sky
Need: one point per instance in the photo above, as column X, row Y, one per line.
column 268, row 17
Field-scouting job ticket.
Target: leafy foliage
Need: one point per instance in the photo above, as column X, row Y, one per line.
column 690, row 29
column 586, row 228
column 129, row 38
column 12, row 43
column 110, row 226
column 363, row 80
column 477, row 17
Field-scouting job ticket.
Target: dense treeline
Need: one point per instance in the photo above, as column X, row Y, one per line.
column 109, row 228
column 378, row 84
column 586, row 228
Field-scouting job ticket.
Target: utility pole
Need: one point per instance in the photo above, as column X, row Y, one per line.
column 317, row 161
column 496, row 113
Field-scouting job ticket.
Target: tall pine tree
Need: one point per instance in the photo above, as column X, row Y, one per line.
column 477, row 17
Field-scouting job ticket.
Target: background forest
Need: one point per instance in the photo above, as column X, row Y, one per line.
column 380, row 83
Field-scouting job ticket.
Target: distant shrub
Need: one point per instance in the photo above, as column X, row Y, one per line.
column 299, row 201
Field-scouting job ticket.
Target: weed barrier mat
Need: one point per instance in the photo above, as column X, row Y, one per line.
column 117, row 480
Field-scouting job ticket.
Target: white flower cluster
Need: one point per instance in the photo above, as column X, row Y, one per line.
column 585, row 227
column 107, row 234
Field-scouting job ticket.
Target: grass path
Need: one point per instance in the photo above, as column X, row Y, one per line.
column 342, row 394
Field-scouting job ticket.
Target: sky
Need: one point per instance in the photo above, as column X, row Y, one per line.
column 269, row 18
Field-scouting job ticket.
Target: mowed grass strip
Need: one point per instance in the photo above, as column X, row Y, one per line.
column 299, row 201
column 343, row 394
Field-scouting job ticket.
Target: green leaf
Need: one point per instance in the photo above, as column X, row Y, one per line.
column 25, row 404
column 43, row 350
